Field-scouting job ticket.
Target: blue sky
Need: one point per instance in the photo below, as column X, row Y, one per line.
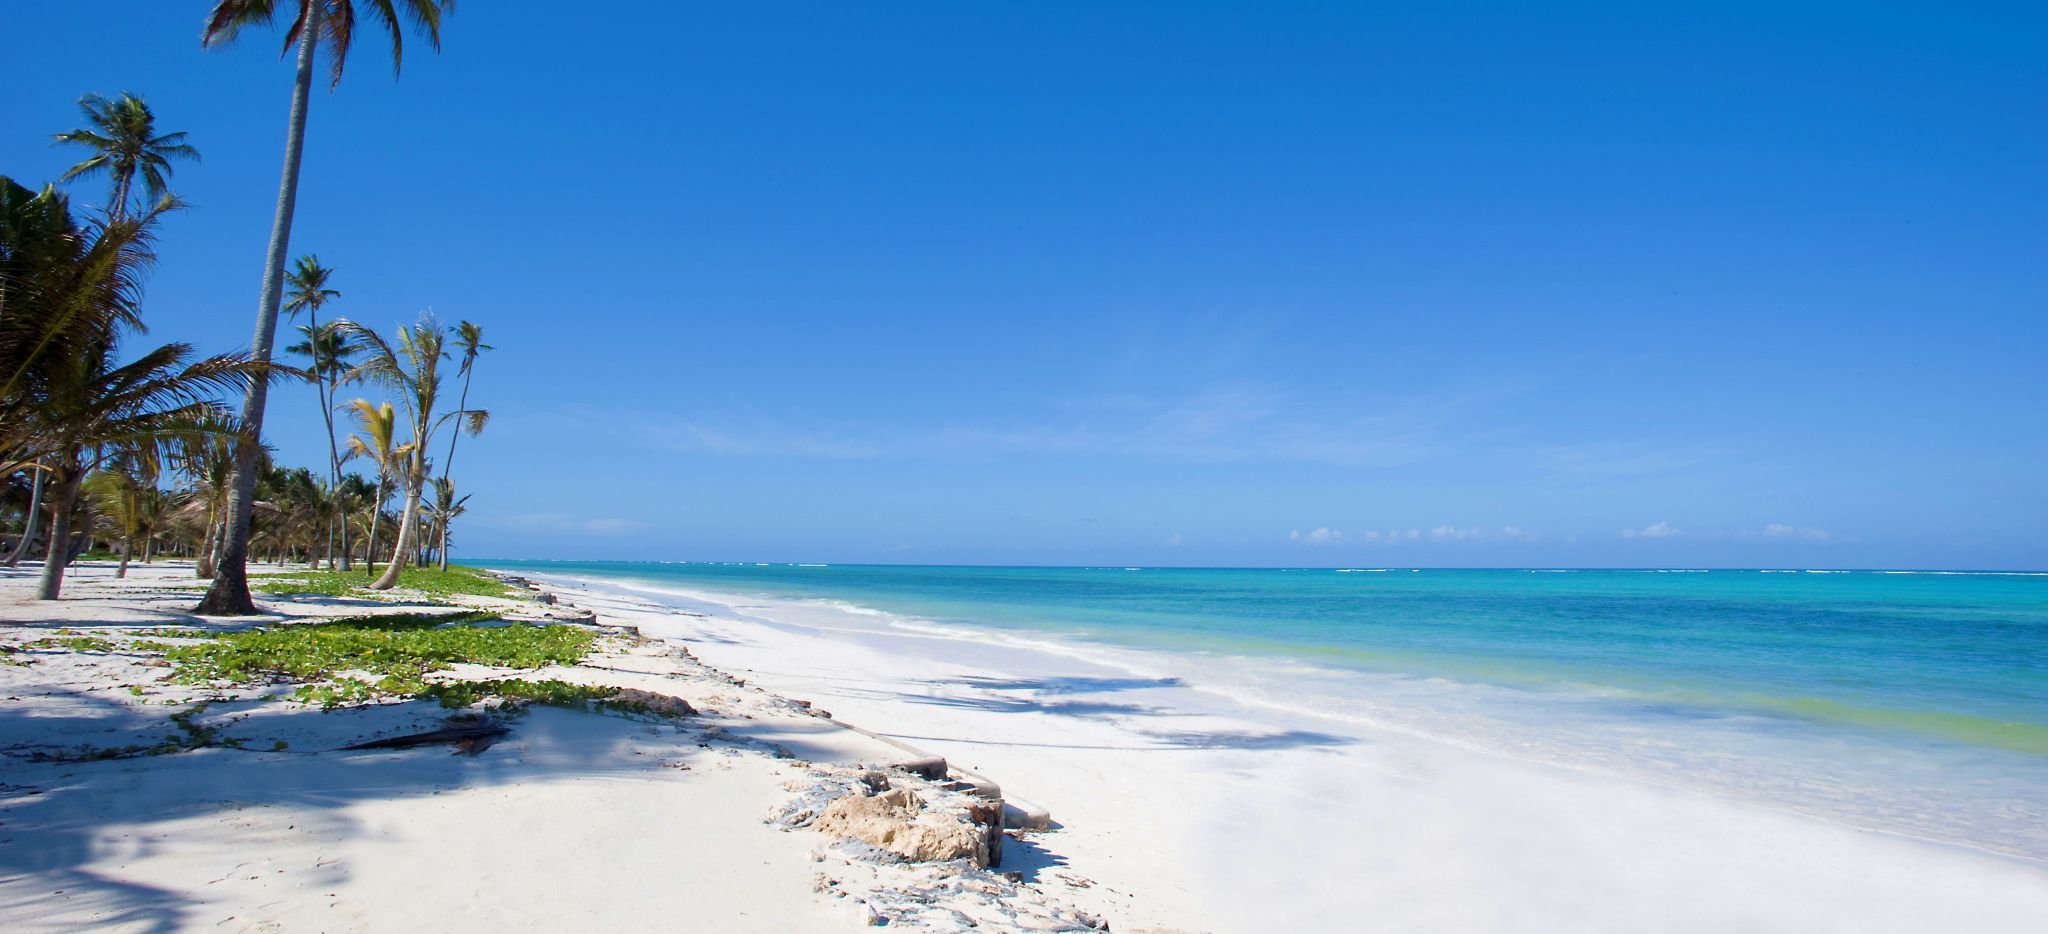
column 1190, row 283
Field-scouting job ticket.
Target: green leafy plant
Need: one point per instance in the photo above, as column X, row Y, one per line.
column 404, row 647
column 455, row 581
column 547, row 691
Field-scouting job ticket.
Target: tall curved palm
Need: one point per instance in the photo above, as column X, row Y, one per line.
column 309, row 292
column 469, row 338
column 378, row 444
column 412, row 372
column 122, row 135
column 314, row 23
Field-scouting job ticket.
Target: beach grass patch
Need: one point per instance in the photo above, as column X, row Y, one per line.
column 457, row 581
column 400, row 649
column 552, row 692
column 546, row 691
column 75, row 643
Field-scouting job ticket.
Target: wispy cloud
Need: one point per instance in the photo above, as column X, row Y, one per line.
column 1391, row 535
column 1442, row 533
column 1781, row 530
column 1654, row 530
column 1221, row 424
column 563, row 523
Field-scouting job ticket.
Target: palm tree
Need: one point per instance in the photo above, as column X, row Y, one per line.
column 309, row 292
column 94, row 402
column 67, row 290
column 29, row 517
column 412, row 372
column 353, row 492
column 377, row 443
column 125, row 144
column 442, row 513
column 127, row 495
column 315, row 22
column 206, row 456
column 68, row 293
column 469, row 337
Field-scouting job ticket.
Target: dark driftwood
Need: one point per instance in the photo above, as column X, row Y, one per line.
column 470, row 739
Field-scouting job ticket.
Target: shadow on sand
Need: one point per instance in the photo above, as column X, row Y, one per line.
column 64, row 824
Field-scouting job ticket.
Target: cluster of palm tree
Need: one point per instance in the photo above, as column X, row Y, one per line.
column 340, row 353
column 314, row 25
column 137, row 451
column 72, row 400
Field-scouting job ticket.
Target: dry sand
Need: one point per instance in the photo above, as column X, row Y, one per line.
column 575, row 821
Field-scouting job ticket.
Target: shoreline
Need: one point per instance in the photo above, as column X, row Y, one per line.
column 1383, row 702
column 1477, row 840
column 1171, row 807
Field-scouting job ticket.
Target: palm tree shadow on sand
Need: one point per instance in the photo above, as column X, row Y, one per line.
column 66, row 823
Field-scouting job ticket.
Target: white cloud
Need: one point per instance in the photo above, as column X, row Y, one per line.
column 1391, row 535
column 614, row 526
column 1513, row 534
column 1320, row 536
column 1172, row 540
column 1448, row 533
column 1657, row 530
column 1781, row 530
column 563, row 523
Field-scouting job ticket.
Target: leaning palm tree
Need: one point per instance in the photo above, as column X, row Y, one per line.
column 94, row 402
column 309, row 292
column 377, row 444
column 412, row 372
column 469, row 338
column 125, row 144
column 313, row 23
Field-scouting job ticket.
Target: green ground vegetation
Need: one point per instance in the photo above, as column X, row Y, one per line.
column 404, row 647
column 457, row 581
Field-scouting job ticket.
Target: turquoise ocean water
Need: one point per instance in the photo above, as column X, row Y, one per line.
column 1916, row 701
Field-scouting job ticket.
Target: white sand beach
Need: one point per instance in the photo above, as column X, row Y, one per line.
column 1210, row 815
column 1173, row 807
column 573, row 821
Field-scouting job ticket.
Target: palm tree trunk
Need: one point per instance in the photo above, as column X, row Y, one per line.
column 444, row 543
column 376, row 513
column 84, row 529
column 119, row 208
column 60, row 535
column 202, row 550
column 229, row 595
column 214, row 546
column 408, row 530
column 448, row 466
column 28, row 524
column 127, row 548
column 333, row 449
